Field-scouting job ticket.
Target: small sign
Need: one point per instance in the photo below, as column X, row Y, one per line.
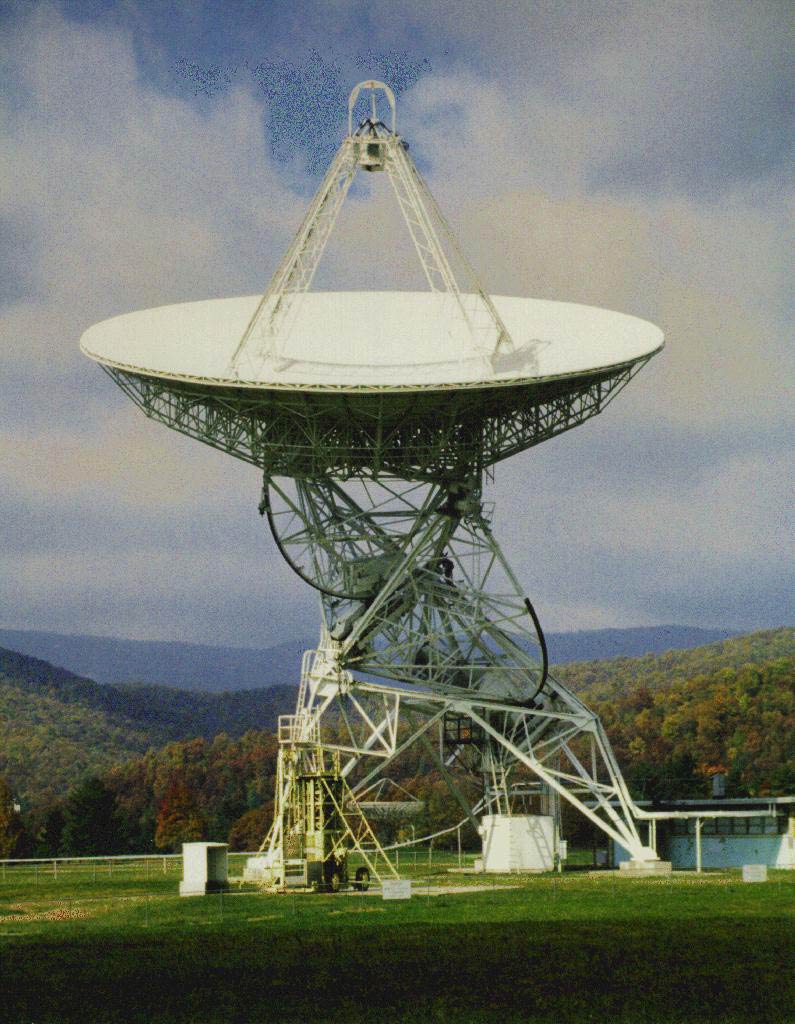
column 396, row 889
column 563, row 849
column 754, row 872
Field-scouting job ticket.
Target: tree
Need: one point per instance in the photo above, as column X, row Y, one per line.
column 50, row 835
column 179, row 819
column 251, row 828
column 90, row 825
column 12, row 832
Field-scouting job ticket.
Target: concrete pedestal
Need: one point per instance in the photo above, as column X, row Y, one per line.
column 204, row 868
column 521, row 842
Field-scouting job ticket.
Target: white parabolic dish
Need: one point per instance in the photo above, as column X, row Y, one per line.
column 372, row 341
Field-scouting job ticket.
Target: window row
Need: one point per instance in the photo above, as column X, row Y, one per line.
column 761, row 826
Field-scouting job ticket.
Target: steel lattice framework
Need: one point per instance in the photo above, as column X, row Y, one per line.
column 433, row 608
column 421, row 435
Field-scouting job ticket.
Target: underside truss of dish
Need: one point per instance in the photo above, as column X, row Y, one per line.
column 412, row 417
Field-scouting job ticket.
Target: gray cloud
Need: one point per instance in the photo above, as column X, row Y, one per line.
column 671, row 97
column 616, row 524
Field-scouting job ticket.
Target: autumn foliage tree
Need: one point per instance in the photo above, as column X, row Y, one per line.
column 179, row 819
column 251, row 828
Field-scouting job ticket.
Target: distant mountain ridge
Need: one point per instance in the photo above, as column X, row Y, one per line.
column 633, row 642
column 200, row 668
column 203, row 668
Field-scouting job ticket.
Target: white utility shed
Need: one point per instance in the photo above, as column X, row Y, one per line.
column 204, row 868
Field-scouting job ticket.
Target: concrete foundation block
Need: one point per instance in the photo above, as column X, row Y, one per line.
column 644, row 868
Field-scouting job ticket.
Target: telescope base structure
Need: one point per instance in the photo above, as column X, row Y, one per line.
column 318, row 826
column 385, row 721
column 427, row 638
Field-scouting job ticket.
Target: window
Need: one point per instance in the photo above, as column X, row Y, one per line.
column 459, row 729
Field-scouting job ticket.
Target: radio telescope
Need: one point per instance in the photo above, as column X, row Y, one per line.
column 374, row 418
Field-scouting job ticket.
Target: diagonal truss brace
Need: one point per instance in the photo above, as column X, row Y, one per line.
column 263, row 337
column 598, row 792
column 420, row 211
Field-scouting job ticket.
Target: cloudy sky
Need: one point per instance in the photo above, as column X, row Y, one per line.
column 637, row 156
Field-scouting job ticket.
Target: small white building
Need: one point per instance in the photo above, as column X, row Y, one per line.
column 204, row 868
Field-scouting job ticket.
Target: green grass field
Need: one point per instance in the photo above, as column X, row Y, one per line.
column 90, row 945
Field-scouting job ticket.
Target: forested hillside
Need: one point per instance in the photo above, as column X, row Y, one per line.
column 671, row 739
column 56, row 726
column 674, row 720
column 616, row 676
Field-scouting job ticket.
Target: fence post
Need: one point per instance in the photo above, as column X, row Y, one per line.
column 430, row 853
column 55, row 868
column 458, row 833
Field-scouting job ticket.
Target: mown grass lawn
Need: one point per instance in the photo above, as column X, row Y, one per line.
column 94, row 947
